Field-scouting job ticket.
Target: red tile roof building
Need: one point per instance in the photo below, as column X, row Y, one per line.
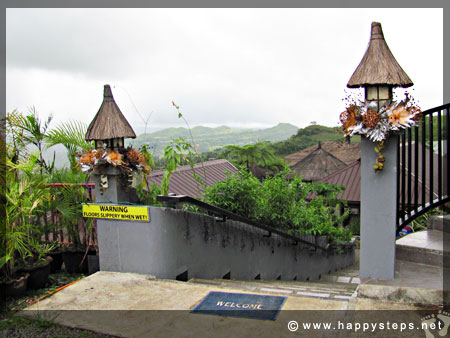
column 182, row 181
column 350, row 177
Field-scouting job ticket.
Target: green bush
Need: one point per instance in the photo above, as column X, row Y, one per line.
column 279, row 198
column 238, row 194
column 283, row 202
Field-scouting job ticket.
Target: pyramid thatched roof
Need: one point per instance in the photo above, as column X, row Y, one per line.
column 346, row 152
column 378, row 66
column 317, row 165
column 109, row 122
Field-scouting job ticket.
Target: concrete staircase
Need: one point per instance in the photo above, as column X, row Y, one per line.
column 430, row 247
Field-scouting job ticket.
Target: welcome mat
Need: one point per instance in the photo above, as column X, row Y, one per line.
column 240, row 305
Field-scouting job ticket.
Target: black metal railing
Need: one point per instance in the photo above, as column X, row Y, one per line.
column 176, row 199
column 423, row 163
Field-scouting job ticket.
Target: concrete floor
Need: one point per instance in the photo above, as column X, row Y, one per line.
column 127, row 292
column 168, row 303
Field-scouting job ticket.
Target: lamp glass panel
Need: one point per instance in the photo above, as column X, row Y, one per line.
column 383, row 92
column 371, row 93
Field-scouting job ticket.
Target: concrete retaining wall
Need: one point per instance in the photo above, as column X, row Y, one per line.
column 181, row 245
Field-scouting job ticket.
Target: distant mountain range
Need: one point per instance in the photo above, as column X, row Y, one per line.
column 286, row 139
column 209, row 139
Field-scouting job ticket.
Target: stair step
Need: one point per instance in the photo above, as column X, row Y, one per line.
column 431, row 247
column 422, row 256
column 440, row 223
column 317, row 289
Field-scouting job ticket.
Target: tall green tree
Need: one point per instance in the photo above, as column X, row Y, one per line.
column 250, row 154
column 33, row 131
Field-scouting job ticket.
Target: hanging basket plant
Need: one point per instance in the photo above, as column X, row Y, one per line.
column 365, row 118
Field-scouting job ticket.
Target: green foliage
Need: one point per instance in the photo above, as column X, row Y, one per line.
column 305, row 138
column 279, row 196
column 71, row 135
column 282, row 202
column 33, row 131
column 355, row 224
column 147, row 193
column 174, row 153
column 65, row 175
column 238, row 194
column 27, row 197
column 25, row 194
column 250, row 154
column 70, row 199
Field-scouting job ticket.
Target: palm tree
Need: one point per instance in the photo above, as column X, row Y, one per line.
column 250, row 154
column 71, row 135
column 25, row 193
column 33, row 132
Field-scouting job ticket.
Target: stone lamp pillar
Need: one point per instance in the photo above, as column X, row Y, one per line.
column 378, row 73
column 108, row 130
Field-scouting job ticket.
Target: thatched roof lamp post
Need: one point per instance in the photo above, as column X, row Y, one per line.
column 109, row 128
column 378, row 72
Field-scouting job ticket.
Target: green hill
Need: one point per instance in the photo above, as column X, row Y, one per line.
column 307, row 137
column 211, row 138
column 285, row 139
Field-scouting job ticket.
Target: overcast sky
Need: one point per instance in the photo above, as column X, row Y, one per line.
column 238, row 67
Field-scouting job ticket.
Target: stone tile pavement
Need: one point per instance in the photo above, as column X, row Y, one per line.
column 128, row 292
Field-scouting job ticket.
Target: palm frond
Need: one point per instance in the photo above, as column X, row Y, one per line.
column 70, row 134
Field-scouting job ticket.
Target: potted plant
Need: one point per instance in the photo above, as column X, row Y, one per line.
column 23, row 193
column 77, row 247
column 56, row 254
column 12, row 283
column 37, row 264
column 93, row 261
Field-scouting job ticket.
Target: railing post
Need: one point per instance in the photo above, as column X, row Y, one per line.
column 378, row 210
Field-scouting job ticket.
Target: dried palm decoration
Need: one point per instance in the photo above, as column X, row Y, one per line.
column 375, row 119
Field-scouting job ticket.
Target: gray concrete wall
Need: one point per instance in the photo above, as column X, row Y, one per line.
column 175, row 241
column 378, row 210
column 115, row 193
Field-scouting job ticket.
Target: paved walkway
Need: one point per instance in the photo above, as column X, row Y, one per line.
column 415, row 287
column 127, row 292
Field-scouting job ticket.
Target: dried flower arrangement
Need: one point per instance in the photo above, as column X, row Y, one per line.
column 365, row 118
column 128, row 160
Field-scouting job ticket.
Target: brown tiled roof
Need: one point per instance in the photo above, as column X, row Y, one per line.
column 350, row 177
column 182, row 182
column 317, row 164
column 109, row 121
column 346, row 152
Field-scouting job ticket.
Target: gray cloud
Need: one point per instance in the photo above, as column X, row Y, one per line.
column 233, row 66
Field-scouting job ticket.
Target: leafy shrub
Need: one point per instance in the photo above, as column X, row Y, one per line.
column 239, row 194
column 283, row 202
column 278, row 199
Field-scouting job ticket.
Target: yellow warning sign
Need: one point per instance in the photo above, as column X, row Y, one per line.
column 119, row 212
